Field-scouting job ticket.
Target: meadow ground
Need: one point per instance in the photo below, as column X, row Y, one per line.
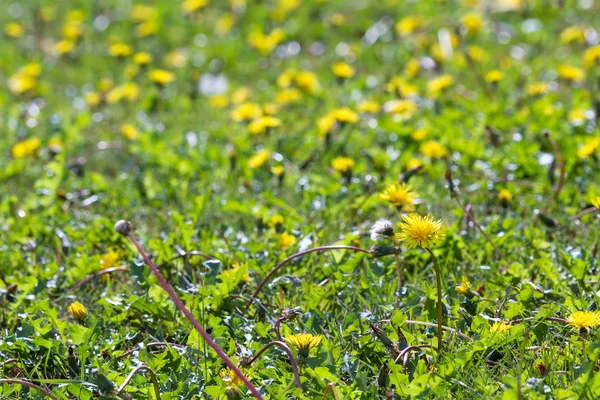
column 286, row 199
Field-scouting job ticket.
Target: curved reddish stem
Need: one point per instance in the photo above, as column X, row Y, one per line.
column 300, row 254
column 29, row 384
column 290, row 355
column 585, row 212
column 152, row 377
column 190, row 317
column 97, row 275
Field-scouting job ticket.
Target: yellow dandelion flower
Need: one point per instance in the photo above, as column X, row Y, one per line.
column 92, row 99
column 225, row 23
column 343, row 70
column 494, row 76
column 408, row 25
column 230, row 378
column 270, row 108
column 78, row 310
column 398, row 194
column 303, row 342
column 129, row 131
column 190, row 6
column 246, row 112
column 437, row 85
column 412, row 68
column 263, row 124
column 583, row 320
column 26, row 148
column 500, row 327
column 277, row 170
column 142, row 58
column 143, row 12
column 578, row 116
column 589, row 148
column 14, row 30
column 591, row 56
column 433, row 149
column 307, row 82
column 472, row 22
column 64, row 47
column 344, row 115
column 342, row 164
column 285, row 240
column 259, row 159
column 420, row 134
column 572, row 34
column 72, row 30
column 265, row 44
column 241, row 95
column 286, row 78
column 161, row 77
column 571, row 73
column 417, row 230
column 465, row 286
column 288, row 96
column 403, row 108
column 276, row 220
column 55, row 144
column 596, row 202
column 147, row 28
column 20, row 83
column 219, row 101
column 505, row 196
column 234, row 270
column 536, row 88
column 368, row 106
column 414, row 163
column 119, row 50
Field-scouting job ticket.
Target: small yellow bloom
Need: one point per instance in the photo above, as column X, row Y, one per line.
column 573, row 34
column 500, row 327
column 402, row 107
column 241, row 95
column 505, row 196
column 259, row 159
column 414, row 163
column 143, row 12
column 225, row 23
column 418, row 230
column 400, row 195
column 412, row 68
column 473, row 23
column 234, row 270
column 263, row 124
column 420, row 134
column 190, row 6
column 277, row 170
column 437, row 85
column 494, row 76
column 343, row 70
column 20, row 83
column 286, row 78
column 596, row 202
column 536, row 88
column 161, row 77
column 477, row 54
column 583, row 320
column 219, row 101
column 246, row 112
column 230, row 378
column 342, row 164
column 285, row 240
column 147, row 28
column 55, row 144
column 465, row 286
column 177, row 58
column 76, row 16
column 344, row 115
column 276, row 220
column 578, row 116
column 129, row 131
column 591, row 56
column 26, row 148
column 589, row 148
column 408, row 25
column 78, row 310
column 14, row 29
column 72, row 30
column 368, row 106
column 433, row 149
column 92, row 99
column 303, row 342
column 288, row 96
column 119, row 50
column 307, row 82
column 142, row 58
column 571, row 73
column 265, row 44
column 64, row 47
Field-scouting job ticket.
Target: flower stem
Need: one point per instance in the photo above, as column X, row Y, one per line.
column 438, row 281
column 290, row 355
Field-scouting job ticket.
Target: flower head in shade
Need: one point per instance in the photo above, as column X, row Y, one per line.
column 398, row 194
column 571, row 73
column 26, row 148
column 417, row 230
column 78, row 310
column 465, row 286
column 433, row 149
column 263, row 124
column 161, row 77
column 342, row 70
column 259, row 159
column 500, row 327
column 303, row 342
column 584, row 320
column 342, row 164
column 504, row 196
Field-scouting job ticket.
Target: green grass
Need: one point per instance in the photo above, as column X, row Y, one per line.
column 216, row 227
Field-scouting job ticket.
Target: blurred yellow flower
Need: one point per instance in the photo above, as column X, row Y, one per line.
column 420, row 134
column 241, row 95
column 143, row 12
column 219, row 101
column 573, row 34
column 147, row 28
column 285, row 240
column 263, row 124
column 76, row 16
column 72, row 30
column 259, row 159
column 408, row 25
column 589, row 148
column 584, row 320
column 536, row 88
column 437, row 85
column 505, row 196
column 64, row 47
column 225, row 23
column 368, row 106
column 119, row 50
column 265, row 44
column 398, row 194
column 596, row 202
column 307, row 82
column 231, row 380
column 129, row 131
column 21, row 83
column 500, row 327
column 277, row 170
column 177, row 58
column 465, row 286
column 55, row 144
column 161, row 77
column 404, row 108
column 473, row 23
column 288, row 96
column 578, row 116
column 14, row 30
column 344, row 115
column 591, row 56
column 190, row 6
column 325, row 124
column 412, row 68
column 494, row 76
column 142, row 58
column 477, row 54
column 246, row 112
column 342, row 164
column 92, row 99
column 571, row 73
column 433, row 149
column 342, row 70
column 26, row 148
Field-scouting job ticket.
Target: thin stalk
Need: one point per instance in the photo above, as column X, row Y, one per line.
column 152, row 377
column 294, row 256
column 190, row 317
column 153, row 344
column 438, row 281
column 98, row 274
column 290, row 355
column 446, row 328
column 561, row 164
column 585, row 212
column 398, row 267
column 29, row 384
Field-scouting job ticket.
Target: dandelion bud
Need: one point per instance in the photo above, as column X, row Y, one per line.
column 291, row 313
column 381, row 251
column 382, row 227
column 123, row 227
column 78, row 311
